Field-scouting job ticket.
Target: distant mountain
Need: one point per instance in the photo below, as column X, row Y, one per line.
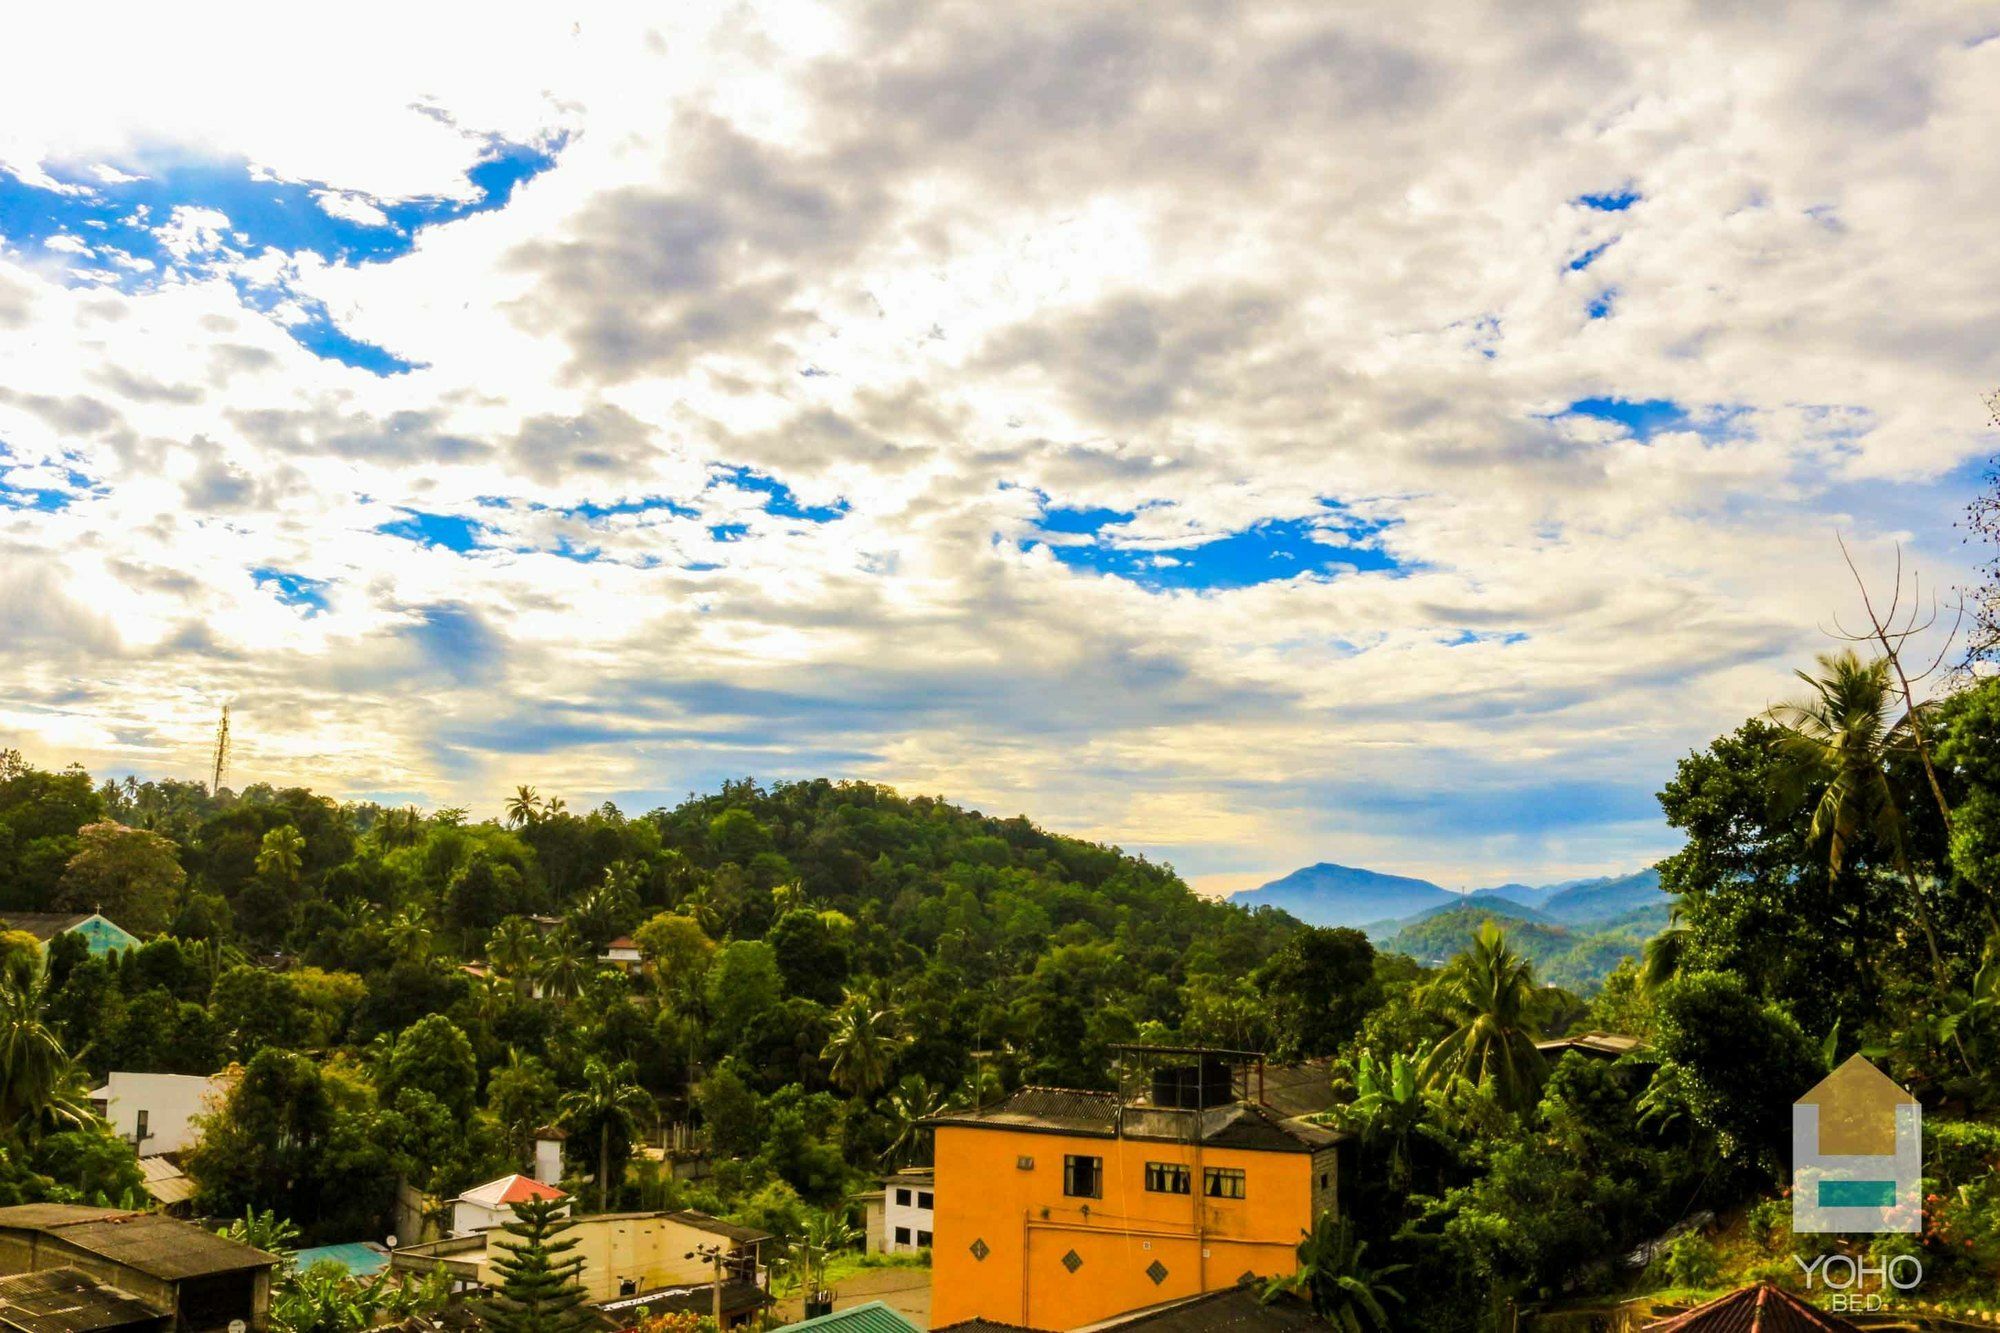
column 1328, row 894
column 1335, row 895
column 1577, row 958
column 1595, row 900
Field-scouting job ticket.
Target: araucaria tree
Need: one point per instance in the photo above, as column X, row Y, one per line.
column 539, row 1289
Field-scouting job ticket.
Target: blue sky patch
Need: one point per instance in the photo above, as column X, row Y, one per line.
column 1602, row 304
column 1270, row 550
column 1611, row 201
column 293, row 589
column 447, row 530
column 778, row 497
column 1590, row 256
column 123, row 232
column 1644, row 417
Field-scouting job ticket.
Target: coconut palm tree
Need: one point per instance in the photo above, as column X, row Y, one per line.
column 37, row 1077
column 1838, row 741
column 410, row 934
column 610, row 1099
column 281, row 855
column 1489, row 991
column 523, row 807
column 863, row 1045
column 401, row 827
column 513, row 948
column 1334, row 1275
column 911, row 1102
column 1661, row 957
column 563, row 965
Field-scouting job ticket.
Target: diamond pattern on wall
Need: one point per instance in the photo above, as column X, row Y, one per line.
column 1156, row 1271
column 1072, row 1261
column 980, row 1249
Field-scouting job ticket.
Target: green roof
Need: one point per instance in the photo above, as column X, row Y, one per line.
column 873, row 1317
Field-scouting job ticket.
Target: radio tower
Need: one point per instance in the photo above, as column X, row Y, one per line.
column 221, row 753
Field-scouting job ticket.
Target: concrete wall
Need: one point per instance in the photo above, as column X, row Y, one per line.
column 1002, row 1190
column 170, row 1101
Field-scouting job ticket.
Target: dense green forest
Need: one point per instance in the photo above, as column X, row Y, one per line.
column 826, row 963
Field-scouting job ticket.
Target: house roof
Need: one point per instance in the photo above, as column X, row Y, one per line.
column 1238, row 1309
column 66, row 1300
column 874, row 1317
column 738, row 1297
column 622, row 942
column 1759, row 1309
column 1098, row 1115
column 164, row 1181
column 985, row 1326
column 1305, row 1088
column 44, row 926
column 1591, row 1043
column 715, row 1226
column 161, row 1247
column 361, row 1258
column 508, row 1191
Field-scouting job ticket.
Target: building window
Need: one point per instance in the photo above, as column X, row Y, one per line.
column 1083, row 1177
column 902, row 1235
column 1166, row 1178
column 1324, row 1178
column 923, row 1200
column 144, row 1117
column 903, row 1198
column 924, row 1239
column 1222, row 1182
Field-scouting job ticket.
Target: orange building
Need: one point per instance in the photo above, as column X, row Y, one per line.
column 1057, row 1208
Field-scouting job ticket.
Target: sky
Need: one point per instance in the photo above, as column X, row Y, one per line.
column 1251, row 435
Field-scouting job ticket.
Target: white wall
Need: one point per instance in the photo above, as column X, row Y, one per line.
column 913, row 1217
column 170, row 1102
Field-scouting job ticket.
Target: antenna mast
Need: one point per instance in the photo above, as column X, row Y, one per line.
column 221, row 753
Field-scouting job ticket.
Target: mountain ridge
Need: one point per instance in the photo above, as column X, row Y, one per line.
column 1328, row 893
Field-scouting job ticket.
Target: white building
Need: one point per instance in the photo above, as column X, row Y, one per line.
column 484, row 1207
column 155, row 1112
column 622, row 954
column 909, row 1212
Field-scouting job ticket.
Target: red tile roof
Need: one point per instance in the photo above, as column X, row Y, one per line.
column 1759, row 1309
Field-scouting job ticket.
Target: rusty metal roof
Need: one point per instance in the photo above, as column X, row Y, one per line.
column 1759, row 1309
column 66, row 1300
column 161, row 1247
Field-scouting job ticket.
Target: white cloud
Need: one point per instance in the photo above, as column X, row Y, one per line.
column 934, row 263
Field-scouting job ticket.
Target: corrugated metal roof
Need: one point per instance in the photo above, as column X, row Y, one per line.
column 715, row 1226
column 44, row 926
column 1759, row 1309
column 874, row 1317
column 158, row 1246
column 1086, row 1111
column 167, row 1183
column 1238, row 1309
column 66, row 1300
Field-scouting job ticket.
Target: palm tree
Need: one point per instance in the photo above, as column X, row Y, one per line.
column 911, row 1102
column 564, row 964
column 805, row 1256
column 1388, row 1108
column 401, row 827
column 610, row 1098
column 281, row 855
column 37, row 1077
column 863, row 1045
column 1661, row 957
column 1839, row 740
column 513, row 947
column 1334, row 1275
column 1489, row 991
column 410, row 934
column 523, row 807
column 699, row 903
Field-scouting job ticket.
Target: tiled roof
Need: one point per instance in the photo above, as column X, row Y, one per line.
column 161, row 1247
column 509, row 1190
column 874, row 1317
column 1759, row 1309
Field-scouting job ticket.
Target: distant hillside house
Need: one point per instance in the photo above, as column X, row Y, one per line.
column 155, row 1112
column 202, row 1281
column 909, row 1211
column 622, row 954
column 103, row 936
column 484, row 1207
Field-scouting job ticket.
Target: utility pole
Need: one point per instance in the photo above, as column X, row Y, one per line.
column 221, row 753
column 712, row 1253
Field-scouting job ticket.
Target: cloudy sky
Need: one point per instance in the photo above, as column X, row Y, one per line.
column 1249, row 434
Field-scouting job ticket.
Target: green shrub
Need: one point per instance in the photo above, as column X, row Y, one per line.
column 1692, row 1261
